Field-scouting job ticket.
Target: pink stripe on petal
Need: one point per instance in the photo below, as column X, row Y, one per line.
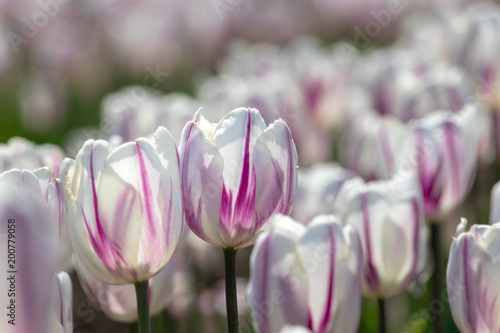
column 331, row 283
column 100, row 241
column 416, row 243
column 371, row 274
column 146, row 190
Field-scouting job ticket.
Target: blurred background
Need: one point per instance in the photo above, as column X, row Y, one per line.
column 71, row 70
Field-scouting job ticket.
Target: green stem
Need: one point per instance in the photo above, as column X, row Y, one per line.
column 382, row 324
column 437, row 285
column 141, row 292
column 231, row 298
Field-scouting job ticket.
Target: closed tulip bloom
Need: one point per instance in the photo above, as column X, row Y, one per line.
column 372, row 146
column 309, row 277
column 235, row 175
column 389, row 218
column 29, row 240
column 119, row 302
column 472, row 278
column 136, row 112
column 443, row 149
column 124, row 207
column 317, row 189
column 20, row 153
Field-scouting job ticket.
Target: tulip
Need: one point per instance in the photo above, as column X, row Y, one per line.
column 477, row 55
column 276, row 95
column 317, row 188
column 306, row 276
column 472, row 278
column 20, row 153
column 235, row 175
column 477, row 51
column 137, row 112
column 443, row 149
column 372, row 146
column 29, row 263
column 133, row 188
column 125, row 210
column 388, row 216
column 118, row 301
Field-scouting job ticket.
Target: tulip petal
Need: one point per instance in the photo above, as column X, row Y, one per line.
column 462, row 289
column 144, row 206
column 332, row 285
column 202, row 183
column 275, row 163
column 278, row 283
column 238, row 129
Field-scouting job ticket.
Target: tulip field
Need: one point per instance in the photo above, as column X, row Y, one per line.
column 285, row 166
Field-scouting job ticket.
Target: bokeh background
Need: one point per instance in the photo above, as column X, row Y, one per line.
column 68, row 67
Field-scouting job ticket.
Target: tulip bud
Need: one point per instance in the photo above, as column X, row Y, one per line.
column 306, row 276
column 124, row 207
column 388, row 216
column 472, row 278
column 235, row 175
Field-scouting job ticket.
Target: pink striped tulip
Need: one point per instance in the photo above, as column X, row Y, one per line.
column 235, row 175
column 306, row 276
column 389, row 218
column 29, row 263
column 372, row 145
column 119, row 301
column 20, row 153
column 124, row 207
column 443, row 149
column 472, row 278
